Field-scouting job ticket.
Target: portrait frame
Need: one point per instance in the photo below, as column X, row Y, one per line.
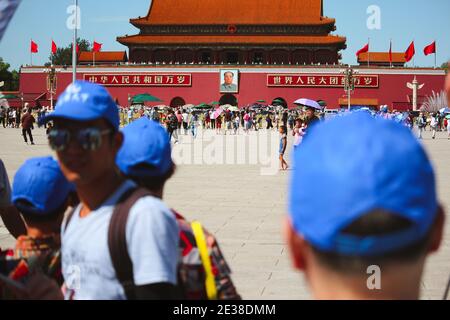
column 234, row 84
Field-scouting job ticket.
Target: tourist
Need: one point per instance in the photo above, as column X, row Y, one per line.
column 421, row 124
column 193, row 124
column 298, row 132
column 291, row 120
column 146, row 158
column 207, row 120
column 10, row 217
column 236, row 122
column 172, row 126
column 129, row 115
column 27, row 125
column 434, row 124
column 185, row 117
column 311, row 117
column 227, row 118
column 42, row 205
column 179, row 120
column 284, row 118
column 282, row 149
column 12, row 118
column 219, row 124
column 447, row 122
column 3, row 116
column 86, row 140
column 381, row 219
column 269, row 121
column 213, row 119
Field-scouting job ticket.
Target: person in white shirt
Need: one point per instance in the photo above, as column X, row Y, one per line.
column 185, row 117
column 86, row 140
column 434, row 124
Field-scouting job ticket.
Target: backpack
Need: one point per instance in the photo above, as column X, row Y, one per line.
column 202, row 271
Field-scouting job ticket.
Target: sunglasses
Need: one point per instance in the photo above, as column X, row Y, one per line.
column 90, row 139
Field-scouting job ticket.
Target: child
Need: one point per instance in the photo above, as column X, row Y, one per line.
column 299, row 132
column 283, row 144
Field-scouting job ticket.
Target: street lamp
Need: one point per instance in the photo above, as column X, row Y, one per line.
column 52, row 80
column 349, row 83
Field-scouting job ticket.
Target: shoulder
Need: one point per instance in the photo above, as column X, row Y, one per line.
column 151, row 209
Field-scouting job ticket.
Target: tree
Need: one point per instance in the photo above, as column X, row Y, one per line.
column 11, row 78
column 63, row 55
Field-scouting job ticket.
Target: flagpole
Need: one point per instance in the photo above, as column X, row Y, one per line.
column 74, row 46
column 31, row 53
column 435, row 52
column 390, row 51
column 368, row 54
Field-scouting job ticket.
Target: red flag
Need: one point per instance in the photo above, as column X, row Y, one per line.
column 365, row 49
column 78, row 48
column 430, row 49
column 410, row 52
column 54, row 47
column 33, row 47
column 97, row 47
column 390, row 53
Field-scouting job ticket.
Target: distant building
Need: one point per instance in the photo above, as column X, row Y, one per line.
column 235, row 32
column 102, row 58
column 382, row 59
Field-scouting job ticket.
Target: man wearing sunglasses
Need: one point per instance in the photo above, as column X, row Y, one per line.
column 86, row 140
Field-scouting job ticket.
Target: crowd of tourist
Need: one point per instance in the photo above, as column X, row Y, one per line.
column 93, row 223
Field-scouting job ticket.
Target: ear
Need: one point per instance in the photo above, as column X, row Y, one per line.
column 117, row 141
column 296, row 245
column 438, row 230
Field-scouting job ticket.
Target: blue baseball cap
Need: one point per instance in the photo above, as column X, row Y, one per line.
column 145, row 142
column 85, row 101
column 351, row 166
column 40, row 182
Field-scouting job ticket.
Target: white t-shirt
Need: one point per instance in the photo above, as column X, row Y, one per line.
column 152, row 237
column 433, row 122
column 185, row 117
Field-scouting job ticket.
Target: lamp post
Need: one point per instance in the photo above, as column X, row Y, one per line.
column 349, row 83
column 51, row 82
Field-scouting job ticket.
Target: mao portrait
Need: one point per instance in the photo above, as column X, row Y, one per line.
column 229, row 81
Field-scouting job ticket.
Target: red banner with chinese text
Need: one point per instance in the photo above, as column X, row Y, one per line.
column 330, row 81
column 150, row 80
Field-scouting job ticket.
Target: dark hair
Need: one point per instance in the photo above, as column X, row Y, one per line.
column 151, row 183
column 32, row 214
column 378, row 222
column 284, row 128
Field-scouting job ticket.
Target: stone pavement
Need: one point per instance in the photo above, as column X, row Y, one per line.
column 244, row 208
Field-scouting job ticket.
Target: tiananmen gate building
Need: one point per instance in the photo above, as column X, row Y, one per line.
column 271, row 50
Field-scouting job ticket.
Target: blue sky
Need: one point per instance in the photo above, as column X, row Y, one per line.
column 104, row 20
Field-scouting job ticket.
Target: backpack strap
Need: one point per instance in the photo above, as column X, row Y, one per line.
column 117, row 241
column 68, row 218
column 210, row 283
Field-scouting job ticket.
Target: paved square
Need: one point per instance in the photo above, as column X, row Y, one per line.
column 244, row 209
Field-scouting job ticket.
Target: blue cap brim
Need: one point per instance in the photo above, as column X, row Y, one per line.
column 72, row 111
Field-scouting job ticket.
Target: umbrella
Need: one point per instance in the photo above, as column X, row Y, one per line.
column 188, row 106
column 9, row 96
column 203, row 106
column 226, row 106
column 322, row 103
column 308, row 103
column 261, row 101
column 445, row 110
column 214, row 103
column 217, row 113
column 145, row 97
column 447, row 117
column 233, row 108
